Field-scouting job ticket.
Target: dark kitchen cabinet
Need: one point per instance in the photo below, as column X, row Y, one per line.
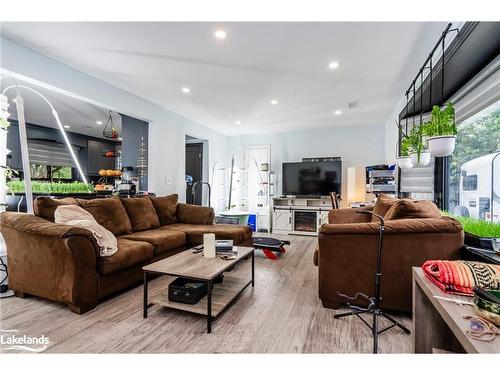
column 95, row 156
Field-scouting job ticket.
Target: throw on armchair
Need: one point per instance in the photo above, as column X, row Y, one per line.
column 414, row 233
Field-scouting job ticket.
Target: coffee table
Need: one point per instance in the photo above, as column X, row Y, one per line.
column 199, row 268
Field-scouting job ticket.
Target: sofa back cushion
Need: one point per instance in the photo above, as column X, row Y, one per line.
column 192, row 214
column 408, row 209
column 141, row 213
column 382, row 205
column 110, row 213
column 166, row 208
column 45, row 207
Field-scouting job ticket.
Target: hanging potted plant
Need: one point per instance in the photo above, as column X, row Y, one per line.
column 419, row 156
column 441, row 131
column 404, row 161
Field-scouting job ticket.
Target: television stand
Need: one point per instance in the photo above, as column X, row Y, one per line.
column 302, row 216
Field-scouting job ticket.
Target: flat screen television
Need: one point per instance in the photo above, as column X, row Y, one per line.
column 312, row 178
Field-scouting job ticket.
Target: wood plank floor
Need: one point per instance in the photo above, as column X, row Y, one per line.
column 282, row 314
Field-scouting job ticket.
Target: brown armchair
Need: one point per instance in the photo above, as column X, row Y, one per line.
column 347, row 249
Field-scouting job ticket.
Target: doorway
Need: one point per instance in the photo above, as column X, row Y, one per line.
column 194, row 169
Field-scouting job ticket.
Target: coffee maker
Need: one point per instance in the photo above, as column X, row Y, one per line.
column 128, row 183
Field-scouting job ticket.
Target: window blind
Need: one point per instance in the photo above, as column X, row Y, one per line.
column 49, row 153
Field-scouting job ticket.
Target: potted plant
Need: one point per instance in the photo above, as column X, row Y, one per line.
column 479, row 233
column 441, row 131
column 419, row 156
column 404, row 160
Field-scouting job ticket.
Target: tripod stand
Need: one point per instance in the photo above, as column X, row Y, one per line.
column 373, row 306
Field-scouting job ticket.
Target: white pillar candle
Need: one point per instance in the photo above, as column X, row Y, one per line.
column 209, row 245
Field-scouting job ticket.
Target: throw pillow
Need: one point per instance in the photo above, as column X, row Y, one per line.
column 141, row 213
column 166, row 208
column 45, row 207
column 110, row 213
column 382, row 205
column 408, row 209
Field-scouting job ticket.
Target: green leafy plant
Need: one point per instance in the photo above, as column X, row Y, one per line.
column 480, row 228
column 405, row 147
column 51, row 187
column 412, row 142
column 442, row 121
column 4, row 124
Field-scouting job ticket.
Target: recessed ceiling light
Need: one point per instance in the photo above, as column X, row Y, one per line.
column 338, row 112
column 237, row 122
column 66, row 126
column 186, row 90
column 333, row 65
column 98, row 122
column 274, row 101
column 220, row 34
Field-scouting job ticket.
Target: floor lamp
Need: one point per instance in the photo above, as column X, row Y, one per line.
column 373, row 306
column 24, row 140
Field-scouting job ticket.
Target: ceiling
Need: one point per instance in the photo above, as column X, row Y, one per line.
column 80, row 116
column 236, row 78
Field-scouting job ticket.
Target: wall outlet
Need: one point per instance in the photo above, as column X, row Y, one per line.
column 168, row 180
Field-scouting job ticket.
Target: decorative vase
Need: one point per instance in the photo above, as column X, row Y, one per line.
column 425, row 159
column 442, row 145
column 404, row 162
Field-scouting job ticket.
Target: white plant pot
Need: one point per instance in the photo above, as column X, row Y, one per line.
column 442, row 145
column 425, row 159
column 404, row 162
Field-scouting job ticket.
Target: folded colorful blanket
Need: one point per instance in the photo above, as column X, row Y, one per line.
column 460, row 276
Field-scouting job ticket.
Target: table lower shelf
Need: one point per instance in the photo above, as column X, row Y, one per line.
column 222, row 295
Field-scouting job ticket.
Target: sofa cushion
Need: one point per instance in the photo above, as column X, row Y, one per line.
column 382, row 205
column 166, row 208
column 408, row 209
column 195, row 232
column 193, row 214
column 161, row 238
column 45, row 207
column 129, row 254
column 110, row 213
column 141, row 213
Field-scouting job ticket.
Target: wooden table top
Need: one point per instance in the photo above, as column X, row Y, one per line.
column 187, row 264
column 453, row 313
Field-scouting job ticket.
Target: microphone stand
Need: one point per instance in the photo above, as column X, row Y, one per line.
column 374, row 302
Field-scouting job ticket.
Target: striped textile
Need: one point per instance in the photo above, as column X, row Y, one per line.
column 460, row 276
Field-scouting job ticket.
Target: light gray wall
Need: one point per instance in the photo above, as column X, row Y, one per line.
column 167, row 129
column 356, row 145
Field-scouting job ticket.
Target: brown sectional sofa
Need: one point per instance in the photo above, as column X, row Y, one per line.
column 346, row 254
column 62, row 263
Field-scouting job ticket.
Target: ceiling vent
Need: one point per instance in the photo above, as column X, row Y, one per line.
column 352, row 105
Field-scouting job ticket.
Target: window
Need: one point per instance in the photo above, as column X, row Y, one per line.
column 61, row 173
column 469, row 183
column 474, row 173
column 39, row 171
column 50, row 172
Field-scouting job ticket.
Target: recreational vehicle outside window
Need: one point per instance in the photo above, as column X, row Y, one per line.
column 474, row 172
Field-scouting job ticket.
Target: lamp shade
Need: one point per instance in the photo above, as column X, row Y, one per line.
column 356, row 184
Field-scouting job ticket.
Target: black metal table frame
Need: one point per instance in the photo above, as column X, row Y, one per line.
column 209, row 283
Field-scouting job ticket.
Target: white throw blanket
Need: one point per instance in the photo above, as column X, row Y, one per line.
column 74, row 215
